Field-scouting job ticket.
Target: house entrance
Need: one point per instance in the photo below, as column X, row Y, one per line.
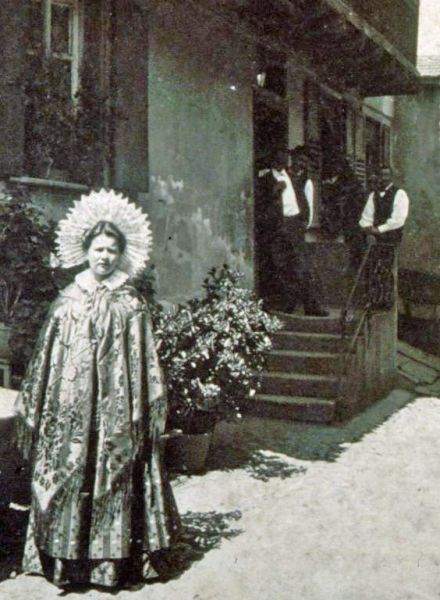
column 270, row 132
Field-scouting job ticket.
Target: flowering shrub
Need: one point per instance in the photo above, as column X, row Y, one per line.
column 27, row 281
column 210, row 350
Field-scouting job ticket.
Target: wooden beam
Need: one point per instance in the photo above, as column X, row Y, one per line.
column 360, row 23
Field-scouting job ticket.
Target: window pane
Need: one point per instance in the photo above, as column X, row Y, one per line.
column 35, row 34
column 61, row 19
column 62, row 75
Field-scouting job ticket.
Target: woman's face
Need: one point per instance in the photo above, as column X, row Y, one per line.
column 103, row 256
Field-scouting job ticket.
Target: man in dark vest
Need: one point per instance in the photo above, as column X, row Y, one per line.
column 289, row 213
column 386, row 211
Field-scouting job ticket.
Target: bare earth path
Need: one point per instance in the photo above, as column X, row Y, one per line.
column 350, row 513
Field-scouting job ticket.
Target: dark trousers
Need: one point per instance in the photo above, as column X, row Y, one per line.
column 294, row 274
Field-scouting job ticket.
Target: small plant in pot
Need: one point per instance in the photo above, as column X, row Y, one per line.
column 210, row 349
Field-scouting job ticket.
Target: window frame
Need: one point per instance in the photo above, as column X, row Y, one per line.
column 75, row 37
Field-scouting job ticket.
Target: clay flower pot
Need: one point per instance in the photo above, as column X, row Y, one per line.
column 187, row 452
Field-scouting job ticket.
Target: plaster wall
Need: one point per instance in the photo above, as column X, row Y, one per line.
column 295, row 96
column 417, row 160
column 380, row 107
column 200, row 148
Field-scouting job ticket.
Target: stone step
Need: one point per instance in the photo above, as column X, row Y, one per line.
column 294, row 322
column 298, row 361
column 314, row 410
column 300, row 340
column 277, row 383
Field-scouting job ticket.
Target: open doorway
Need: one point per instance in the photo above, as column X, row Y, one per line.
column 333, row 131
column 270, row 132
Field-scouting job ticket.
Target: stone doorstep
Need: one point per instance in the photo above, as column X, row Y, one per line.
column 299, row 361
column 312, row 410
column 415, row 354
column 299, row 384
column 307, row 324
column 302, row 340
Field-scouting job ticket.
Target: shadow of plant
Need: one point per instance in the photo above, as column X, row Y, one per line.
column 263, row 466
column 259, row 464
column 207, row 530
column 202, row 532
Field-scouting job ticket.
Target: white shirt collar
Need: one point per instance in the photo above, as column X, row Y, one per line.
column 86, row 280
column 385, row 190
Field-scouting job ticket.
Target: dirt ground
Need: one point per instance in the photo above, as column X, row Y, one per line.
column 293, row 512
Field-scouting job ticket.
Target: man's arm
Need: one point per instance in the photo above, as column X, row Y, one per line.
column 367, row 217
column 399, row 214
column 309, row 191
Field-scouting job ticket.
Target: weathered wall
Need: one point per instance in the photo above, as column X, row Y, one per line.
column 295, row 96
column 12, row 51
column 200, row 148
column 380, row 107
column 417, row 160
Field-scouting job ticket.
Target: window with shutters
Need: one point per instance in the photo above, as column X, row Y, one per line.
column 85, row 91
column 378, row 144
column 67, row 118
column 55, row 34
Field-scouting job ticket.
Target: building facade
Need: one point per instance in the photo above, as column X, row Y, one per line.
column 176, row 103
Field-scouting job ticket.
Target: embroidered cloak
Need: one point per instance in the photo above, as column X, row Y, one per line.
column 94, row 402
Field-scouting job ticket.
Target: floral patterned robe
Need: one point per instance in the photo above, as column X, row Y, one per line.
column 94, row 403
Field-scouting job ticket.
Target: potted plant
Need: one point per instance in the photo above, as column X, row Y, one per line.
column 27, row 281
column 210, row 349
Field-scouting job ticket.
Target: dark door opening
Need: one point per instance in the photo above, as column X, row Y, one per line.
column 270, row 132
column 333, row 134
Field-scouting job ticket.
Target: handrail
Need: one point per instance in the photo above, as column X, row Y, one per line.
column 345, row 311
column 364, row 312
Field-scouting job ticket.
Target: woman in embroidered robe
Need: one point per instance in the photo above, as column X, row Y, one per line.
column 93, row 408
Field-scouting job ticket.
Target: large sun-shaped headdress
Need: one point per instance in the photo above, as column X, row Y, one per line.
column 105, row 206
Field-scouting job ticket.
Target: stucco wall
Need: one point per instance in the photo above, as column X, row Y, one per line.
column 417, row 159
column 200, row 148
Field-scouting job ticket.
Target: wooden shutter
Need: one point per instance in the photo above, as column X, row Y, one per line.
column 13, row 25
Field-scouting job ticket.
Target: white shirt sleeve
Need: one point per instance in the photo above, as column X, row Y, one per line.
column 399, row 214
column 309, row 190
column 367, row 218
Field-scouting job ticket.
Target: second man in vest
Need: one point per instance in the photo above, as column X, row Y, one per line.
column 386, row 210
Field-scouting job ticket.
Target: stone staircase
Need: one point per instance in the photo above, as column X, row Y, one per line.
column 303, row 370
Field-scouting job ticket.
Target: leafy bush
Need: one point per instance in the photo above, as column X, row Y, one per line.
column 210, row 350
column 27, row 282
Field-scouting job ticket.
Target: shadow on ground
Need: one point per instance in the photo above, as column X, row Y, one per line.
column 12, row 532
column 250, row 444
column 259, row 446
column 14, row 487
column 201, row 532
